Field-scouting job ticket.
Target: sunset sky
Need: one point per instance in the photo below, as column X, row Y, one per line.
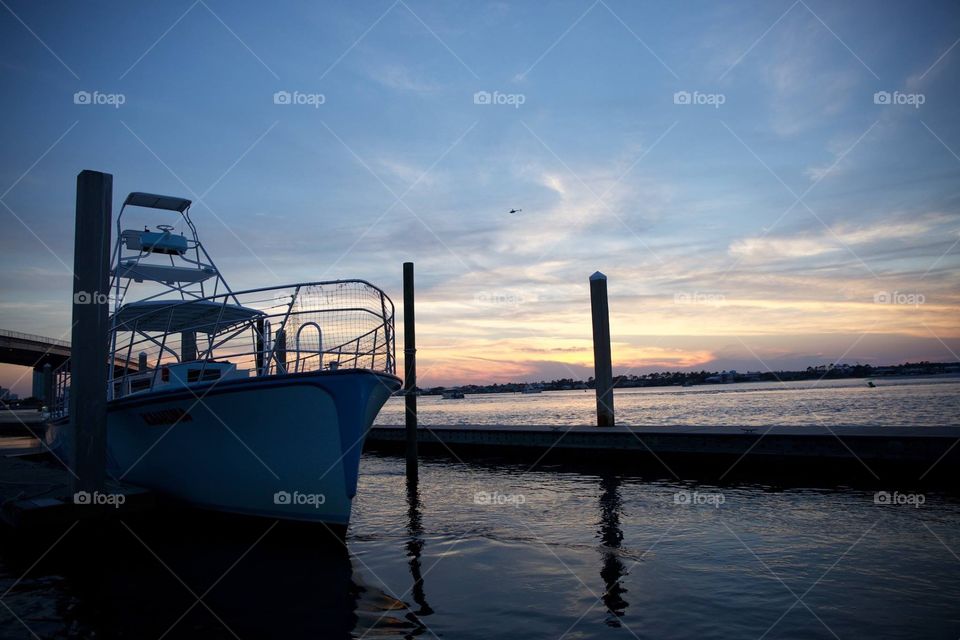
column 765, row 184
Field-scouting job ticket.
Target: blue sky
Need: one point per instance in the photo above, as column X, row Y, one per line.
column 754, row 228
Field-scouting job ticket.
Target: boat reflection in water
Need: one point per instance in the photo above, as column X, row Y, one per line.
column 203, row 576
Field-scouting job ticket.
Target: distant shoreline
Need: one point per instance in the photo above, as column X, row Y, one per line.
column 704, row 378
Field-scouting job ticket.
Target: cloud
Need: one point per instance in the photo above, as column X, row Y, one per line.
column 779, row 248
column 401, row 78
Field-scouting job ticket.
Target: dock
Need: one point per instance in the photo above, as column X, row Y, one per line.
column 35, row 491
column 21, row 422
column 854, row 455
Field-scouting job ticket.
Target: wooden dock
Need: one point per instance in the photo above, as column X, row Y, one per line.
column 922, row 455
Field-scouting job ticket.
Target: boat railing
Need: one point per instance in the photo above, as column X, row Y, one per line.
column 61, row 391
column 342, row 324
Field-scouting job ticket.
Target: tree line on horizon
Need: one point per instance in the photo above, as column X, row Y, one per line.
column 679, row 378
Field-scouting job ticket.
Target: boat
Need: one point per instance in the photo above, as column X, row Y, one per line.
column 452, row 395
column 532, row 388
column 251, row 402
column 871, row 384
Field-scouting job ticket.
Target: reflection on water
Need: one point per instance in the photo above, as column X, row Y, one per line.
column 586, row 553
column 611, row 536
column 199, row 578
column 415, row 547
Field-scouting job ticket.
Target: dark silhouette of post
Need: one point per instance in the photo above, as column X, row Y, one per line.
column 280, row 349
column 188, row 346
column 90, row 339
column 48, row 386
column 410, row 370
column 603, row 369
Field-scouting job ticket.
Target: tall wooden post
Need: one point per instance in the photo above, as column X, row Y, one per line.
column 89, row 351
column 603, row 369
column 410, row 370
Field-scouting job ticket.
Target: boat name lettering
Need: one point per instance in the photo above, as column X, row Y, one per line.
column 166, row 416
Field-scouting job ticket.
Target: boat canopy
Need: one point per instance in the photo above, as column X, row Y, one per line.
column 154, row 201
column 202, row 316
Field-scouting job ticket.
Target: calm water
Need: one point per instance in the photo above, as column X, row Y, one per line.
column 930, row 401
column 560, row 553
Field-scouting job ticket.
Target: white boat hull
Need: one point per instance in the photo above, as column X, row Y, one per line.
column 285, row 447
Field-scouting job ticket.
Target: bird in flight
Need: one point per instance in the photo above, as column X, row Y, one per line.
column 515, row 210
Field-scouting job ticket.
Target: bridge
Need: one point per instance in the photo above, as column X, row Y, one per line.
column 29, row 350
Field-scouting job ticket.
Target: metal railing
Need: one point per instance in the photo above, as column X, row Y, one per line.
column 341, row 324
column 34, row 338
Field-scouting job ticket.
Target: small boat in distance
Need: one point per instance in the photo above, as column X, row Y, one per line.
column 455, row 394
column 249, row 402
column 532, row 388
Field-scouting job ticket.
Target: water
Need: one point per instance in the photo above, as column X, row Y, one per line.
column 896, row 402
column 543, row 553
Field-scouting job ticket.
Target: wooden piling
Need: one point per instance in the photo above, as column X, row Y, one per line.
column 90, row 338
column 410, row 371
column 603, row 369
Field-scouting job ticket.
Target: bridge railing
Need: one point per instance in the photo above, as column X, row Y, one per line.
column 34, row 338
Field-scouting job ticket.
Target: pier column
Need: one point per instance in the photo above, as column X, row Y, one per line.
column 90, row 340
column 48, row 386
column 603, row 369
column 410, row 371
